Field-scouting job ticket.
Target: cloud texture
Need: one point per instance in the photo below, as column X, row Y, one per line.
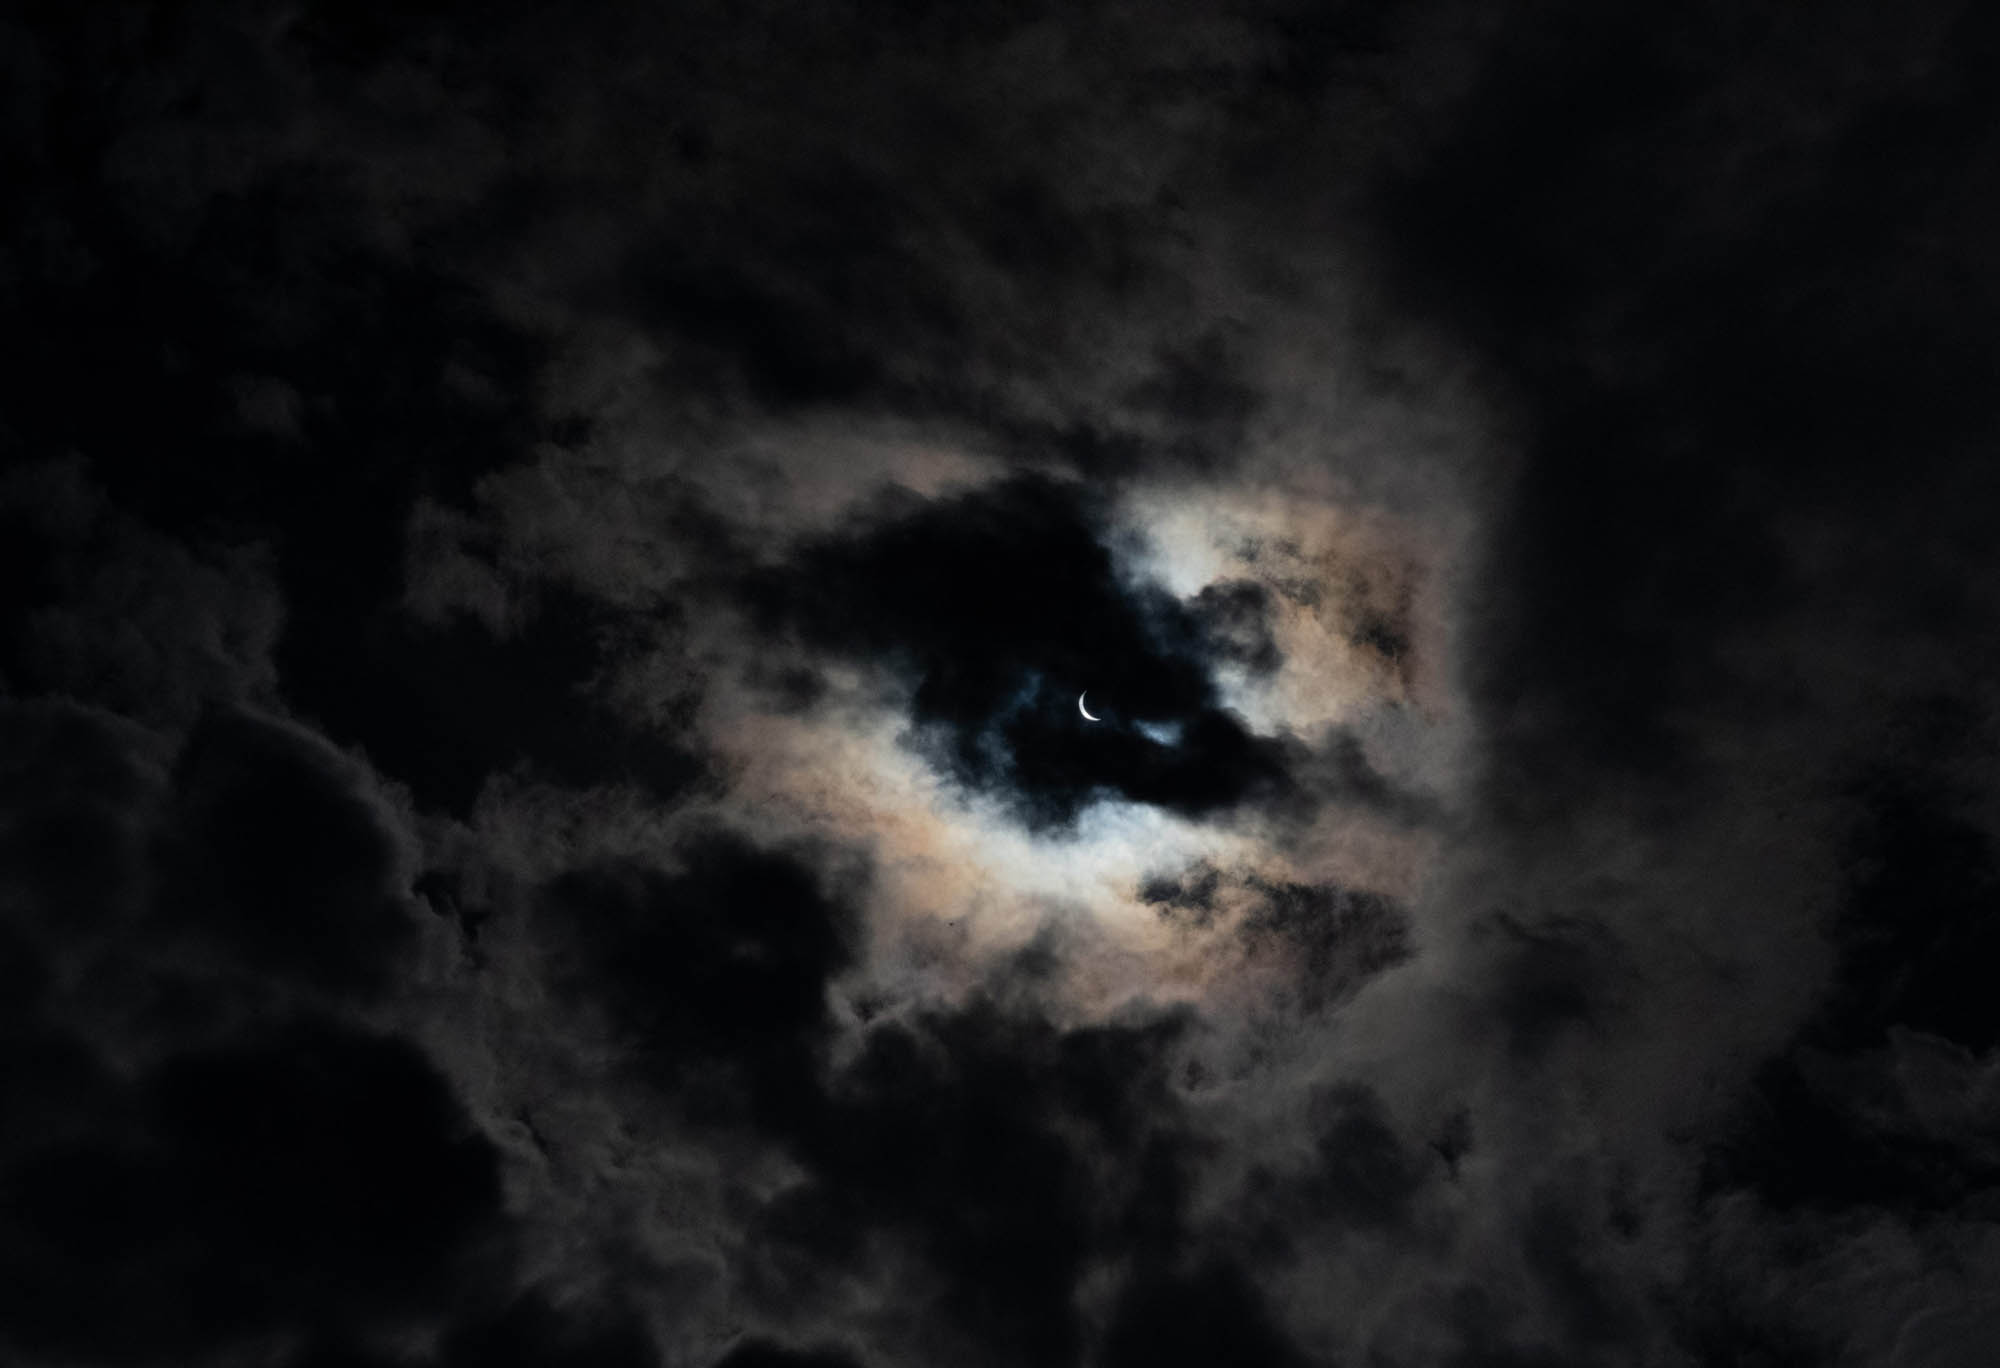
column 547, row 564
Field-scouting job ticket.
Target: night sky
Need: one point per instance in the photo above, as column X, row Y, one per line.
column 549, row 557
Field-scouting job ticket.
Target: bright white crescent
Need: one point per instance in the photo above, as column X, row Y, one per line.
column 1085, row 711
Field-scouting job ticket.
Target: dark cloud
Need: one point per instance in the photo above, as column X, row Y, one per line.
column 835, row 302
column 343, row 1160
column 51, row 1075
column 1235, row 616
column 276, row 848
column 1003, row 606
column 1191, row 894
column 530, row 1331
column 344, row 1353
column 1834, row 1122
column 318, row 1172
column 1201, row 393
column 1739, row 351
column 1334, row 938
column 446, row 706
column 248, row 867
column 1340, row 770
column 766, row 1354
column 1365, row 1174
column 110, row 612
column 319, row 384
column 1831, row 1133
column 720, row 965
column 190, row 1164
column 1008, row 1153
column 1551, row 978
column 1916, row 920
column 1481, row 1349
column 1712, row 327
column 1340, row 937
column 535, row 1331
column 1718, row 1331
column 75, row 793
column 1589, row 1305
column 1210, row 1315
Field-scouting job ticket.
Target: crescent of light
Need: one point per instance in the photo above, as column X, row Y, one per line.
column 1085, row 711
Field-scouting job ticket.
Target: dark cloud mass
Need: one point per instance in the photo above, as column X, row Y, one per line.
column 764, row 1354
column 274, row 846
column 547, row 564
column 1333, row 939
column 246, row 1188
column 721, row 965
